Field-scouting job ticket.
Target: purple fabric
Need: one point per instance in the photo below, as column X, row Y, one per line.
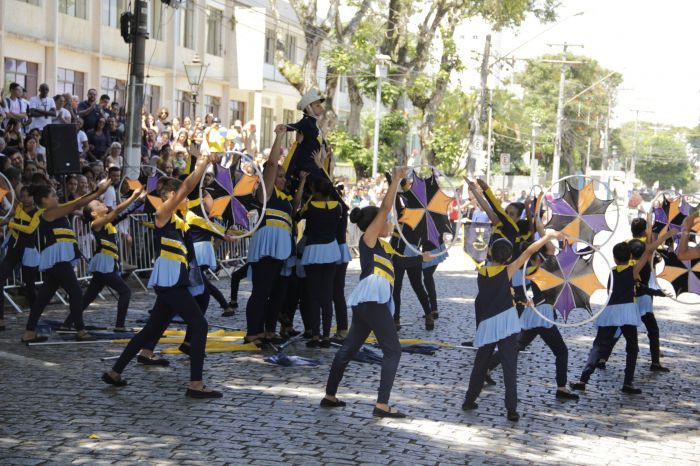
column 561, row 207
column 418, row 188
column 565, row 301
column 567, row 260
column 223, row 177
column 433, row 235
column 693, row 282
column 240, row 214
column 597, row 222
column 151, row 183
column 660, row 215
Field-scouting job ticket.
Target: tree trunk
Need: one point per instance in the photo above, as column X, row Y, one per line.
column 356, row 104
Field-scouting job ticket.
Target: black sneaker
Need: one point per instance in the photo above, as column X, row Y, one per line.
column 325, row 343
column 228, row 312
column 152, row 361
column 106, row 378
column 436, row 315
column 562, row 395
column 658, row 368
column 513, row 416
column 203, row 394
column 488, row 380
column 392, row 414
column 292, row 333
column 429, row 322
column 580, row 386
column 469, row 405
column 313, row 343
column 630, row 390
column 469, row 344
column 326, row 403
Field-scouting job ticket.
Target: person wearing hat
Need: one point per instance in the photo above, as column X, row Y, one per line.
column 309, row 140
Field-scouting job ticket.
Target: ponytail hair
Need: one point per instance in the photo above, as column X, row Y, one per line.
column 39, row 192
column 363, row 217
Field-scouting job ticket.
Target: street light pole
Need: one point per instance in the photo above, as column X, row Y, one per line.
column 380, row 73
column 490, row 136
column 195, row 72
column 533, row 158
column 138, row 35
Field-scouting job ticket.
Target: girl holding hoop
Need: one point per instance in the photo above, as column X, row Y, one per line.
column 621, row 311
column 59, row 250
column 171, row 281
column 372, row 303
column 497, row 320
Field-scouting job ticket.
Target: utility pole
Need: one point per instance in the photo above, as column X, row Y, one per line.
column 137, row 62
column 490, row 136
column 479, row 115
column 633, row 160
column 560, row 106
column 380, row 72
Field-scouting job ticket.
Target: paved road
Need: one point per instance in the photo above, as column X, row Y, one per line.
column 54, row 409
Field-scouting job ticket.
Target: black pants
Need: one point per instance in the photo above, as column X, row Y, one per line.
column 429, row 282
column 236, row 278
column 603, row 345
column 168, row 302
column 339, row 303
column 414, row 277
column 369, row 317
column 113, row 280
column 319, row 287
column 508, row 349
column 7, row 268
column 213, row 291
column 552, row 338
column 652, row 332
column 266, row 274
column 276, row 304
column 63, row 276
column 291, row 301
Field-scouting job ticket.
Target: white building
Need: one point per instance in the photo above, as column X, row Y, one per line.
column 75, row 45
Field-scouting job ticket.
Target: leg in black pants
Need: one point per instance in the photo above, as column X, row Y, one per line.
column 213, row 291
column 63, row 276
column 168, row 301
column 274, row 307
column 429, row 282
column 602, row 345
column 236, row 278
column 369, row 317
column 291, row 301
column 265, row 274
column 339, row 303
column 398, row 284
column 114, row 281
column 320, row 295
column 29, row 277
column 414, row 276
column 508, row 349
column 7, row 267
column 653, row 333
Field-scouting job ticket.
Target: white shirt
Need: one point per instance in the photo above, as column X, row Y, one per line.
column 18, row 105
column 44, row 104
column 63, row 116
column 110, row 197
column 82, row 137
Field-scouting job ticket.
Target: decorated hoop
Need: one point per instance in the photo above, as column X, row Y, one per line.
column 583, row 216
column 243, row 185
column 7, row 197
column 150, row 173
column 570, row 286
column 428, row 206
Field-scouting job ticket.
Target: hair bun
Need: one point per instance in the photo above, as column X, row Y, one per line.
column 355, row 214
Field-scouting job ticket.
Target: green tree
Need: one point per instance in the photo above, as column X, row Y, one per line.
column 584, row 116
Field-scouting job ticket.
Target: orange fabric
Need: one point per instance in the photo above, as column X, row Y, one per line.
column 156, row 202
column 133, row 184
column 440, row 203
column 246, row 185
column 586, row 197
column 219, row 206
column 412, row 217
column 588, row 283
column 573, row 229
column 672, row 273
column 3, row 193
column 545, row 280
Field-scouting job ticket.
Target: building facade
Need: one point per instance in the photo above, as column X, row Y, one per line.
column 75, row 45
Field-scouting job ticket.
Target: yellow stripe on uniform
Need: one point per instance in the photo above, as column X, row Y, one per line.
column 173, row 243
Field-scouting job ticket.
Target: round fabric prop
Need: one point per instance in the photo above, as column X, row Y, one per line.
column 233, row 188
column 426, row 210
column 148, row 179
column 7, row 197
column 577, row 211
column 567, row 282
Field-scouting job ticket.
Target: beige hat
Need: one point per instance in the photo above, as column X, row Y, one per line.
column 310, row 97
column 237, row 124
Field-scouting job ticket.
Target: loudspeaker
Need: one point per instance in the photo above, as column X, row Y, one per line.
column 61, row 142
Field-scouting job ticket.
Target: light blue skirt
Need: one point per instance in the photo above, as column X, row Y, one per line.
column 497, row 328
column 645, row 304
column 57, row 252
column 270, row 241
column 166, row 272
column 517, row 278
column 437, row 259
column 617, row 315
column 345, row 255
column 328, row 253
column 530, row 319
column 372, row 289
column 31, row 257
column 101, row 263
column 204, row 252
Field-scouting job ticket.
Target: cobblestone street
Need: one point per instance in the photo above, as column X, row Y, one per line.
column 55, row 410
